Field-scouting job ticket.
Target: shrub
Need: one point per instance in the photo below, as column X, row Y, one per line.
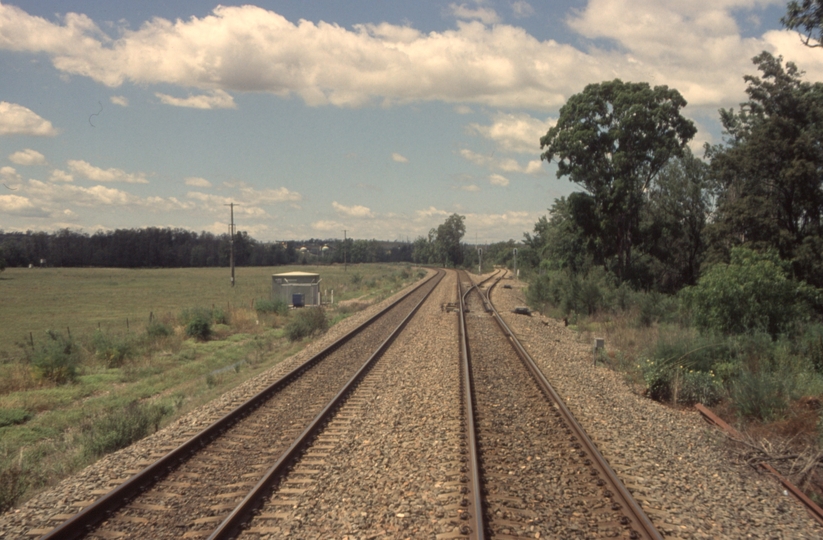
column 113, row 349
column 218, row 316
column 761, row 395
column 356, row 278
column 307, row 322
column 9, row 417
column 13, row 483
column 122, row 427
column 271, row 306
column 752, row 293
column 199, row 327
column 700, row 387
column 56, row 359
column 156, row 329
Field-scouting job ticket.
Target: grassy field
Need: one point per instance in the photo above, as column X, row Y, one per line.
column 38, row 299
column 124, row 383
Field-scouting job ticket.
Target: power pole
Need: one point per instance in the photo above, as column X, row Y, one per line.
column 345, row 266
column 231, row 242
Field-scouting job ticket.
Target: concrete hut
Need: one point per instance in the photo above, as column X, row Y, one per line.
column 296, row 289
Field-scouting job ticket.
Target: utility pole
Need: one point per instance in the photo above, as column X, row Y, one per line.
column 345, row 266
column 515, row 263
column 231, row 242
column 480, row 266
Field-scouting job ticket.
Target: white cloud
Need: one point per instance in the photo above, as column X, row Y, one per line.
column 498, row 180
column 327, row 225
column 399, row 158
column 27, row 157
column 521, row 8
column 9, row 174
column 502, row 164
column 58, row 175
column 217, row 99
column 96, row 174
column 463, row 109
column 484, row 15
column 469, row 187
column 518, row 133
column 430, row 212
column 197, row 182
column 18, row 120
column 120, row 100
column 352, row 211
column 20, row 206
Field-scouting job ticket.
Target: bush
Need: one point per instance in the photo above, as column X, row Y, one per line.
column 156, row 329
column 356, row 278
column 752, row 293
column 218, row 316
column 761, row 395
column 10, row 417
column 271, row 306
column 56, row 359
column 119, row 428
column 13, row 484
column 199, row 327
column 307, row 322
column 113, row 349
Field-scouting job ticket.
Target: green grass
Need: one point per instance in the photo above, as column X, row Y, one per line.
column 50, row 428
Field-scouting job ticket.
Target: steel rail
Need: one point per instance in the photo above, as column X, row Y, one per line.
column 641, row 526
column 84, row 521
column 472, row 502
column 235, row 521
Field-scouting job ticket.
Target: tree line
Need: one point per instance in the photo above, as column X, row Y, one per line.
column 179, row 248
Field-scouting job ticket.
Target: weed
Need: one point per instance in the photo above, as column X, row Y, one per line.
column 356, row 278
column 10, row 417
column 271, row 306
column 306, row 323
column 112, row 349
column 119, row 428
column 56, row 359
column 13, row 483
column 199, row 327
column 760, row 395
column 156, row 329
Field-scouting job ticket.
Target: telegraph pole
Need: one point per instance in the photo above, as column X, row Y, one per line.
column 345, row 266
column 231, row 242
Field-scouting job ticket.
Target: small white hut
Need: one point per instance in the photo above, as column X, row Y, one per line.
column 296, row 289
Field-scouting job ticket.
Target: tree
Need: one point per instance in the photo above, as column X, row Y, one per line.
column 676, row 213
column 612, row 139
column 449, row 234
column 807, row 18
column 768, row 173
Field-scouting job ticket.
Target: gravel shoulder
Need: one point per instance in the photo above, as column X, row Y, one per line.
column 679, row 468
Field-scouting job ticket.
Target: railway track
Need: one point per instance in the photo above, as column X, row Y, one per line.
column 209, row 485
column 538, row 470
column 516, row 463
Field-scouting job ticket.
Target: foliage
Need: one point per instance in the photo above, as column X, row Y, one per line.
column 278, row 306
column 13, row 484
column 307, row 322
column 121, row 427
column 9, row 417
column 806, row 17
column 199, row 327
column 442, row 246
column 56, row 358
column 673, row 221
column 612, row 139
column 751, row 294
column 767, row 171
column 158, row 329
column 570, row 292
column 761, row 394
column 113, row 349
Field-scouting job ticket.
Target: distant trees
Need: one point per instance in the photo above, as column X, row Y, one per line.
column 442, row 245
column 613, row 139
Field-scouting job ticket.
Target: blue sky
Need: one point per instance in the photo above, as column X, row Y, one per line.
column 375, row 117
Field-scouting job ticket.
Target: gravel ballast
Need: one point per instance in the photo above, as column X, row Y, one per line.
column 677, row 466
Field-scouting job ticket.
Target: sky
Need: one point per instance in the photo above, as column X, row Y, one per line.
column 374, row 117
